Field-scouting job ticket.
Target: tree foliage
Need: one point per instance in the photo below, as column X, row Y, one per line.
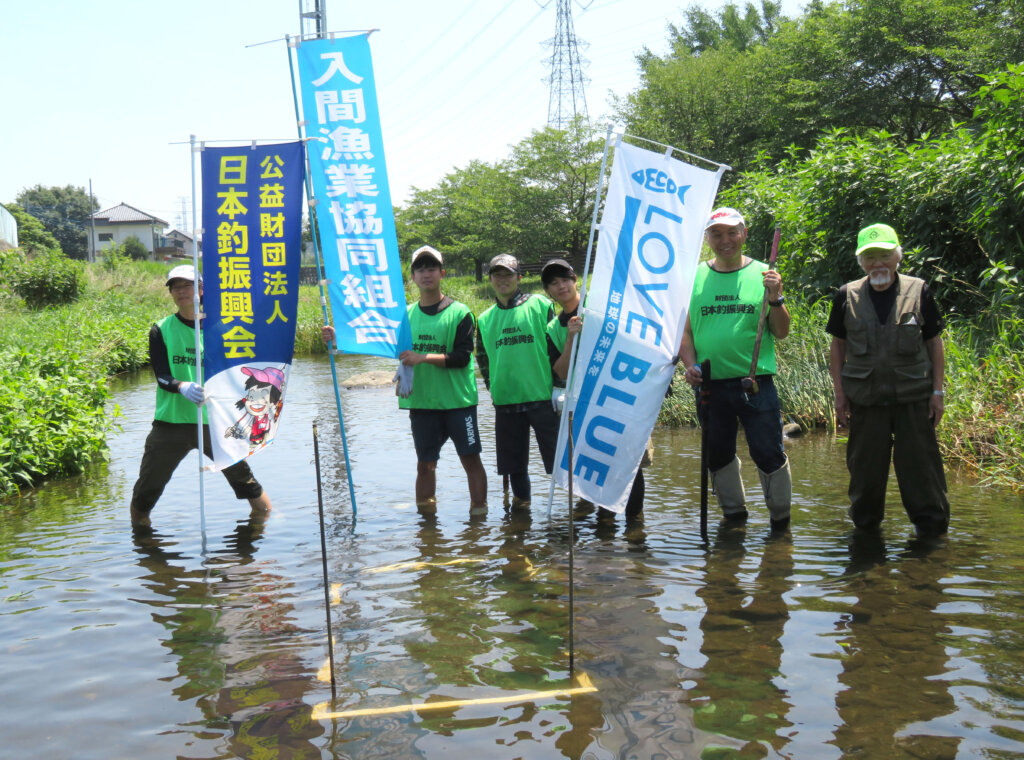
column 957, row 201
column 538, row 200
column 741, row 84
column 730, row 29
column 64, row 212
column 33, row 237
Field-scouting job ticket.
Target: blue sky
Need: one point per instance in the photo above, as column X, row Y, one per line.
column 110, row 90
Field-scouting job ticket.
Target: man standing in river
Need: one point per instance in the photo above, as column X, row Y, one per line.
column 172, row 355
column 513, row 358
column 443, row 401
column 721, row 325
column 887, row 363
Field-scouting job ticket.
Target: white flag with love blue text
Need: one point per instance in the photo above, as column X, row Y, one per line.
column 647, row 256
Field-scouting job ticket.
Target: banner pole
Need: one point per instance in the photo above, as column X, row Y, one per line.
column 323, row 557
column 315, row 235
column 583, row 295
column 572, row 562
column 197, row 307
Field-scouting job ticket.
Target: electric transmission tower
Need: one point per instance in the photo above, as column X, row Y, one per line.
column 313, row 17
column 567, row 98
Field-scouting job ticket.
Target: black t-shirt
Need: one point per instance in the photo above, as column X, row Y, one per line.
column 883, row 301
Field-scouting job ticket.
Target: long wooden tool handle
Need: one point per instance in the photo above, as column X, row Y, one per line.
column 764, row 306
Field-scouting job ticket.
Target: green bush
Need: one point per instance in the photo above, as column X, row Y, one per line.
column 10, row 260
column 134, row 249
column 52, row 421
column 113, row 258
column 47, row 279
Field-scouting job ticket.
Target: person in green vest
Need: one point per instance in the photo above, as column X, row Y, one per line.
column 559, row 279
column 172, row 355
column 443, row 401
column 887, row 362
column 721, row 325
column 512, row 355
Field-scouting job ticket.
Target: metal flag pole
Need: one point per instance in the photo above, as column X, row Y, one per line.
column 197, row 308
column 321, row 281
column 323, row 557
column 572, row 562
column 583, row 295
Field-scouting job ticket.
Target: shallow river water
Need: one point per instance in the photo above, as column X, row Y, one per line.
column 818, row 645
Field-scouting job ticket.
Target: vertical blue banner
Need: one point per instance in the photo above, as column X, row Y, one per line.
column 355, row 218
column 252, row 224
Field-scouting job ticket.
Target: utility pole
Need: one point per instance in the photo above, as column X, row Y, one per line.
column 312, row 18
column 567, row 98
column 92, row 220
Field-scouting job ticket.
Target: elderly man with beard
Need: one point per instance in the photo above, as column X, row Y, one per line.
column 887, row 364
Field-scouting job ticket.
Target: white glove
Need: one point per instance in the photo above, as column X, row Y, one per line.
column 404, row 379
column 193, row 392
column 558, row 399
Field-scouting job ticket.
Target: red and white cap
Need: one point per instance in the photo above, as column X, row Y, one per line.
column 727, row 216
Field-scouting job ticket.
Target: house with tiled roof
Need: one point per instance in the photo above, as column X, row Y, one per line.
column 177, row 244
column 114, row 225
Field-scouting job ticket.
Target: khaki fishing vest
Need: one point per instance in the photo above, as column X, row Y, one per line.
column 886, row 363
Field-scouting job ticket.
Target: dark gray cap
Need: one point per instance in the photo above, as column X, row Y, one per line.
column 504, row 261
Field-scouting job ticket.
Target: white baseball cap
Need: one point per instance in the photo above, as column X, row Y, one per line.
column 725, row 215
column 427, row 251
column 183, row 272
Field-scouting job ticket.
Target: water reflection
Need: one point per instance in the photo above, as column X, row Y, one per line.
column 907, row 652
column 229, row 628
column 627, row 643
column 744, row 592
column 816, row 645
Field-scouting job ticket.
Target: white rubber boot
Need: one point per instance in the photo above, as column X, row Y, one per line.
column 728, row 489
column 778, row 494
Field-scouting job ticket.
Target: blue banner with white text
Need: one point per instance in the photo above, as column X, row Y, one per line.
column 355, row 219
column 252, row 224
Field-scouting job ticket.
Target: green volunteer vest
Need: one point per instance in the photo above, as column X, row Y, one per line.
column 558, row 333
column 181, row 352
column 724, row 309
column 516, row 346
column 886, row 363
column 437, row 387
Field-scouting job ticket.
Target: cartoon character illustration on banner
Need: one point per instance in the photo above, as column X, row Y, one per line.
column 262, row 405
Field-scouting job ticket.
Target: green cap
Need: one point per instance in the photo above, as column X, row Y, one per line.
column 880, row 236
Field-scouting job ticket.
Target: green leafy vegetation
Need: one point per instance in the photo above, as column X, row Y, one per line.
column 45, row 279
column 54, row 364
column 134, row 248
column 64, row 212
column 52, row 421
